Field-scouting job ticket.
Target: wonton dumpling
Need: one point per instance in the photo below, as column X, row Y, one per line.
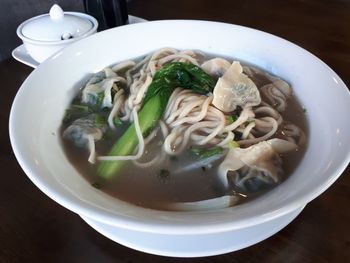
column 259, row 163
column 216, row 67
column 103, row 81
column 276, row 91
column 235, row 89
column 85, row 132
column 81, row 128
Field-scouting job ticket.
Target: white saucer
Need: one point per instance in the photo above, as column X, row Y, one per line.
column 20, row 53
column 136, row 19
column 193, row 245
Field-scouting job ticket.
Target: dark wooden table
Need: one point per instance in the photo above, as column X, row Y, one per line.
column 33, row 228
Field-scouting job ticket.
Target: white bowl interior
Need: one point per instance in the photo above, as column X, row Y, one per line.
column 40, row 103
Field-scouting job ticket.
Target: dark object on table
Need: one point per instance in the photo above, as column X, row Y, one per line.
column 109, row 13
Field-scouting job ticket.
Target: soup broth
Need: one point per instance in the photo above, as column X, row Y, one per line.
column 187, row 176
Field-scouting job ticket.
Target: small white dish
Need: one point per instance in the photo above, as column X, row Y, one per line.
column 21, row 54
column 193, row 245
column 135, row 20
column 46, row 34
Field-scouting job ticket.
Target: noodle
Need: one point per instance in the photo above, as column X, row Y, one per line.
column 141, row 146
column 118, row 101
column 235, row 125
column 190, row 118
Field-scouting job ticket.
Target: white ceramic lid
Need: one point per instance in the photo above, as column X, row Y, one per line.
column 56, row 26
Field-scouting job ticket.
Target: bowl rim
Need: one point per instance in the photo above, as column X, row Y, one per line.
column 103, row 216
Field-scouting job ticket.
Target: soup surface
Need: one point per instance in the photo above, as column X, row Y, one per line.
column 215, row 133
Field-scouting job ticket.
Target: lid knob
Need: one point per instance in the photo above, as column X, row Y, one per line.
column 56, row 12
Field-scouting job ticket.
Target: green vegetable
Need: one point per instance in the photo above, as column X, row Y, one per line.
column 206, row 153
column 169, row 77
column 96, row 185
column 232, row 119
column 76, row 111
column 164, row 173
column 233, row 144
column 95, row 101
column 82, row 108
column 248, row 122
column 117, row 122
column 128, row 142
column 100, row 120
column 178, row 74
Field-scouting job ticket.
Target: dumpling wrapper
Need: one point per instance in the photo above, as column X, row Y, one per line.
column 84, row 132
column 103, row 81
column 235, row 89
column 259, row 156
column 216, row 67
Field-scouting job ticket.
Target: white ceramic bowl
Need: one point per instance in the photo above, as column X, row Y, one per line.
column 39, row 106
